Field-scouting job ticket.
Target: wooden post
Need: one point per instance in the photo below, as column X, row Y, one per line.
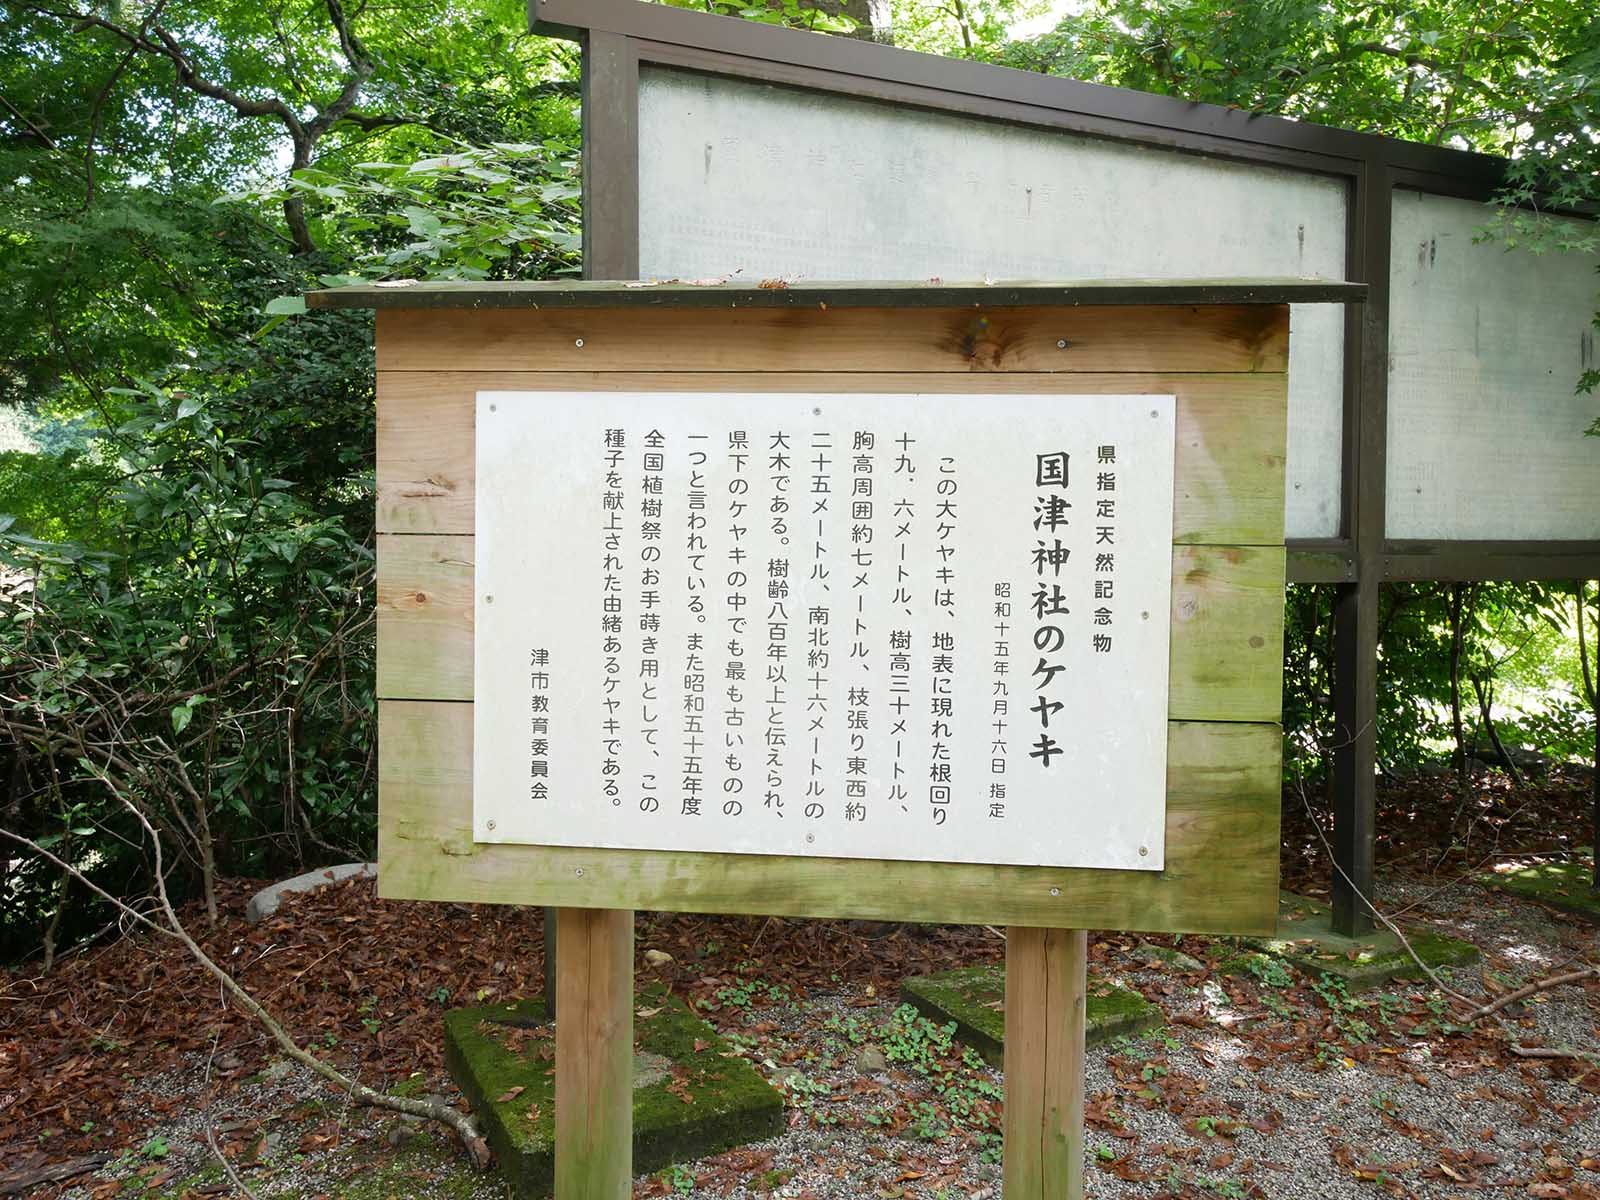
column 1046, row 984
column 594, row 1055
column 550, row 997
column 1365, row 479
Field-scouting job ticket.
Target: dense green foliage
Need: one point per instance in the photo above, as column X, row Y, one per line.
column 186, row 593
column 1440, row 644
column 186, row 579
column 1505, row 76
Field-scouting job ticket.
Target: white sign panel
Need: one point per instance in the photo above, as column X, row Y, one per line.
column 1485, row 345
column 926, row 627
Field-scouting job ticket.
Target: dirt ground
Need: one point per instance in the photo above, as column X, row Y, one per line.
column 125, row 1063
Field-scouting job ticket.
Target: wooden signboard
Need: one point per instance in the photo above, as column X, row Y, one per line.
column 530, row 380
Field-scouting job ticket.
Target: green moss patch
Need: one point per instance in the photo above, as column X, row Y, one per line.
column 975, row 999
column 1307, row 941
column 423, row 1168
column 1565, row 885
column 702, row 1101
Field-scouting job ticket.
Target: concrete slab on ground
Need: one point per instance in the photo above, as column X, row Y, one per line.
column 974, row 998
column 265, row 902
column 1306, row 940
column 1565, row 885
column 688, row 1099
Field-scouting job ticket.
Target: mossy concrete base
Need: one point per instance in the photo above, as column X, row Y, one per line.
column 1306, row 939
column 975, row 999
column 1565, row 885
column 688, row 1099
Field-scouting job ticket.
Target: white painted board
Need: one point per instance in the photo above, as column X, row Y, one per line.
column 1485, row 346
column 921, row 627
column 770, row 181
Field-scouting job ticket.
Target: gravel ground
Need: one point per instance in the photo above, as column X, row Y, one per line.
column 1231, row 1099
column 299, row 1139
column 1400, row 1115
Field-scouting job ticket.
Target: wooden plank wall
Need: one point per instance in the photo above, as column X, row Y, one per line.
column 1227, row 367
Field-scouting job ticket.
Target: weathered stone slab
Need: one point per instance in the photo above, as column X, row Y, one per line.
column 265, row 902
column 1307, row 941
column 1565, row 885
column 689, row 1100
column 974, row 998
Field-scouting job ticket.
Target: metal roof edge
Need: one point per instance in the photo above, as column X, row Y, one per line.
column 729, row 36
column 808, row 294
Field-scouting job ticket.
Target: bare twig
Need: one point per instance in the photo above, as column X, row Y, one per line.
column 1405, row 942
column 1553, row 1052
column 1491, row 1009
column 1522, row 993
column 233, row 1176
column 472, row 1141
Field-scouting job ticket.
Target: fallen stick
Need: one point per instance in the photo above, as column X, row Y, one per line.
column 1532, row 989
column 15, row 1183
column 473, row 1142
column 233, row 1176
column 1553, row 1052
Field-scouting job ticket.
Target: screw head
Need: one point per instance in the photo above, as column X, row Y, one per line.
column 811, row 837
column 489, row 824
column 1144, row 851
column 488, row 599
column 1061, row 343
column 1055, row 891
column 492, row 408
column 578, row 342
column 578, row 871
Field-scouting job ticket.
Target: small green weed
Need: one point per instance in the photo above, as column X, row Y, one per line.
column 738, row 995
column 916, row 1041
column 927, row 1122
column 679, row 1178
column 1268, row 971
column 1276, row 1004
column 852, row 1029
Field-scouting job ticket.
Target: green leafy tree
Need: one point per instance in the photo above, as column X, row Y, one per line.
column 186, row 595
column 1502, row 76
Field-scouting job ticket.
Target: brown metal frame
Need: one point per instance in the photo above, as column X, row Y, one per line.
column 618, row 37
column 809, row 293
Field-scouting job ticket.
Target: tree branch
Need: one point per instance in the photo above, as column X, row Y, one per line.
column 361, row 68
column 166, row 46
column 48, row 141
column 464, row 1128
column 1532, row 989
column 1412, row 59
